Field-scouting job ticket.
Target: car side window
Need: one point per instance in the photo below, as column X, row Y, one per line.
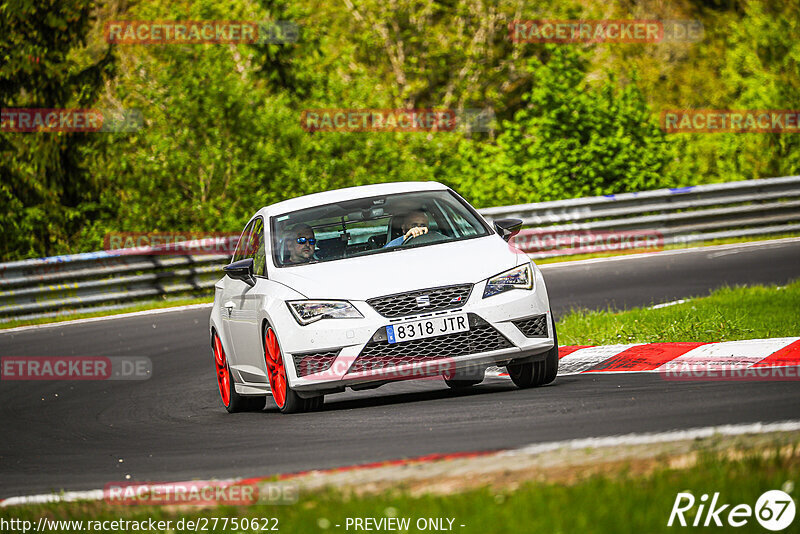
column 462, row 226
column 241, row 247
column 255, row 247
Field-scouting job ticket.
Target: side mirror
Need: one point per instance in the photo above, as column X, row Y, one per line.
column 241, row 270
column 507, row 228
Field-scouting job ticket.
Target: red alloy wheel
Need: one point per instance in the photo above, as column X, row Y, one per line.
column 275, row 368
column 223, row 375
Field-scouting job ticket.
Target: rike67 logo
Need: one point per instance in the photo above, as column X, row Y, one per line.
column 774, row 510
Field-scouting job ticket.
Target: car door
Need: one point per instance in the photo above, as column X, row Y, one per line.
column 244, row 327
column 231, row 292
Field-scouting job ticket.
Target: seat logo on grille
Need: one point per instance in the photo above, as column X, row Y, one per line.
column 423, row 300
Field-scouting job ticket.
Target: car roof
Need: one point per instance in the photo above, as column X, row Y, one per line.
column 348, row 193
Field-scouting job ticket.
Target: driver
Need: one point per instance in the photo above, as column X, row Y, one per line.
column 300, row 243
column 414, row 224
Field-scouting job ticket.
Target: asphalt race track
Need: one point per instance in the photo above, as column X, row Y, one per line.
column 82, row 435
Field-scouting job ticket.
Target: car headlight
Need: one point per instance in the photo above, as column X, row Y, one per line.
column 309, row 311
column 517, row 278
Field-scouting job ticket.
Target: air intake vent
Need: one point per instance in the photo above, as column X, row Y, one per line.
column 533, row 326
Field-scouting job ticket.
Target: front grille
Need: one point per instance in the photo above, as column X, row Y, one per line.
column 379, row 353
column 404, row 304
column 533, row 326
column 314, row 362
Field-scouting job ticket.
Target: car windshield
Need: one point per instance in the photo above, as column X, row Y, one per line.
column 372, row 225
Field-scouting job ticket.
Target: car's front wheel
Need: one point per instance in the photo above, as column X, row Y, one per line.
column 287, row 399
column 465, row 378
column 532, row 374
column 232, row 401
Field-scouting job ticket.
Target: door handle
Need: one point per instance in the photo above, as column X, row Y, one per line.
column 229, row 306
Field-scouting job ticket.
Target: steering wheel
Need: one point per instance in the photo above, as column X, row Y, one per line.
column 431, row 237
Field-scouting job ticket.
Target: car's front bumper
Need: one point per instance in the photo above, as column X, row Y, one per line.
column 349, row 338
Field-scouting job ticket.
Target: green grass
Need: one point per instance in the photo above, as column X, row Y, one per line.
column 725, row 315
column 615, row 502
column 713, row 242
column 150, row 305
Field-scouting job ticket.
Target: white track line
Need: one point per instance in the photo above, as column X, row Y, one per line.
column 667, row 304
column 67, row 496
column 659, row 437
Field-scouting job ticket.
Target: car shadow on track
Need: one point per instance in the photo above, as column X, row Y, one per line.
column 363, row 399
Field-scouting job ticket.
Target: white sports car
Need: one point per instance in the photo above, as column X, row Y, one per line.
column 365, row 285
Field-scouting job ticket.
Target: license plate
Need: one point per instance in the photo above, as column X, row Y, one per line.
column 422, row 328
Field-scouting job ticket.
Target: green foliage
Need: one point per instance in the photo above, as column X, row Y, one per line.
column 575, row 138
column 727, row 314
column 46, row 193
column 762, row 71
column 222, row 133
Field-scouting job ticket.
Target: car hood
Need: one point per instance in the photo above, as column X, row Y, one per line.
column 362, row 278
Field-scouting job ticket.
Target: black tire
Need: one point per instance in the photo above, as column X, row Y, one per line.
column 534, row 374
column 244, row 403
column 296, row 404
column 235, row 402
column 292, row 402
column 256, row 404
column 241, row 403
column 461, row 384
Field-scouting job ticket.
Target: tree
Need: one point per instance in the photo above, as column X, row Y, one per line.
column 576, row 138
column 762, row 72
column 46, row 193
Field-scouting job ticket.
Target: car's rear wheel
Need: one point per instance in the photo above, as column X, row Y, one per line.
column 287, row 399
column 532, row 374
column 232, row 401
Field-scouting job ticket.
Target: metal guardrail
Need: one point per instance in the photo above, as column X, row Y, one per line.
column 34, row 288
column 679, row 216
column 104, row 280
